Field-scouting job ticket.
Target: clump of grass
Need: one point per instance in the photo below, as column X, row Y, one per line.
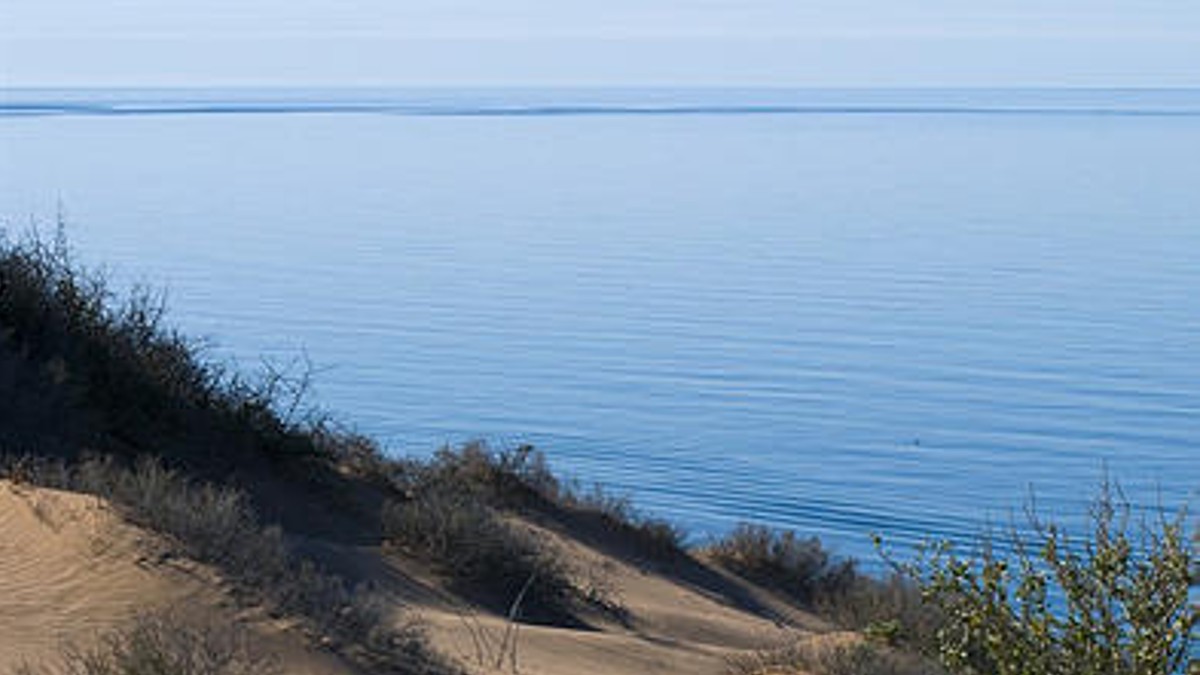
column 481, row 553
column 168, row 642
column 830, row 657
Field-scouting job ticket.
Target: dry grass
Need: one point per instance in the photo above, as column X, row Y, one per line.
column 171, row 642
column 826, row 656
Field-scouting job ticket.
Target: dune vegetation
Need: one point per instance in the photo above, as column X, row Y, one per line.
column 316, row 527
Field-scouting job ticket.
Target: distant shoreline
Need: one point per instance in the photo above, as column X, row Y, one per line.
column 547, row 102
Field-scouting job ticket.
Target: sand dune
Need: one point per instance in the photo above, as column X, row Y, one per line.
column 70, row 568
column 673, row 626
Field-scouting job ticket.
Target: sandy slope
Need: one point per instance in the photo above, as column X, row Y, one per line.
column 69, row 568
column 676, row 623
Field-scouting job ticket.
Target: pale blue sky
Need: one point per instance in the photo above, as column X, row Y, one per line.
column 637, row 42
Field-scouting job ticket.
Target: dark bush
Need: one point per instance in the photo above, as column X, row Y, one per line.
column 514, row 479
column 83, row 367
column 802, row 568
column 891, row 610
column 479, row 551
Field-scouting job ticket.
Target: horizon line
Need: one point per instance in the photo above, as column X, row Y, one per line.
column 278, row 86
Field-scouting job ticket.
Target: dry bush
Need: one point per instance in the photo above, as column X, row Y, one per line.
column 167, row 643
column 472, row 544
column 209, row 523
column 890, row 610
column 512, row 479
column 779, row 559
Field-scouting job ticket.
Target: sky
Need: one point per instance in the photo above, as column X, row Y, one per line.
column 614, row 42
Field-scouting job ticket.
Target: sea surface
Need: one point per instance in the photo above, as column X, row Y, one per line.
column 839, row 311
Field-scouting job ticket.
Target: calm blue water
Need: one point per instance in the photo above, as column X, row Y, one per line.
column 838, row 311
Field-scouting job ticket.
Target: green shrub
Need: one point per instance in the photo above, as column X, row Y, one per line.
column 1115, row 603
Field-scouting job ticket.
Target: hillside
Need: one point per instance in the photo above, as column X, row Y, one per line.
column 161, row 515
column 140, row 478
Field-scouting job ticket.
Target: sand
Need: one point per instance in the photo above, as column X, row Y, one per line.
column 70, row 568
